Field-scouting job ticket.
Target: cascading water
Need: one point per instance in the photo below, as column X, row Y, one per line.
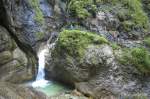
column 40, row 79
column 50, row 88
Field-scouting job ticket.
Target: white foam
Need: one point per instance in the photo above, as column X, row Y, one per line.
column 40, row 79
column 40, row 83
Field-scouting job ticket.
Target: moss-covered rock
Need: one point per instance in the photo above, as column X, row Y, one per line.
column 136, row 14
column 81, row 8
column 38, row 13
column 138, row 57
column 74, row 42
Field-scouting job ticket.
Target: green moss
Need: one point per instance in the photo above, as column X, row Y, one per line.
column 147, row 41
column 81, row 8
column 39, row 35
column 114, row 46
column 130, row 14
column 139, row 57
column 136, row 13
column 74, row 42
column 38, row 13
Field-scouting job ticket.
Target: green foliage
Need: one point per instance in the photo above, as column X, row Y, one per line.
column 38, row 13
column 147, row 41
column 74, row 42
column 138, row 57
column 135, row 16
column 114, row 46
column 81, row 8
column 130, row 13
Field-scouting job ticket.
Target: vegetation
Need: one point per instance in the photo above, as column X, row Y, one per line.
column 137, row 18
column 114, row 46
column 81, row 8
column 74, row 42
column 38, row 13
column 139, row 57
column 130, row 14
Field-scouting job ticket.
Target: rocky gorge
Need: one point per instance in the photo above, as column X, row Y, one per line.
column 100, row 48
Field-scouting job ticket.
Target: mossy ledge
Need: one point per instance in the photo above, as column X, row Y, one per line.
column 74, row 42
column 38, row 13
column 81, row 8
column 138, row 57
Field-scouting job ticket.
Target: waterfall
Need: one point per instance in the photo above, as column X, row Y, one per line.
column 40, row 79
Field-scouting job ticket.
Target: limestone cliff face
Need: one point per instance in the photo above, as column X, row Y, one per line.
column 26, row 20
column 15, row 65
column 30, row 21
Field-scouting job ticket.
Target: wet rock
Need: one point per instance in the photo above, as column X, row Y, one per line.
column 29, row 21
column 12, row 91
column 105, row 24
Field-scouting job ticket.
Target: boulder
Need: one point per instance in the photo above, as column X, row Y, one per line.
column 92, row 67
